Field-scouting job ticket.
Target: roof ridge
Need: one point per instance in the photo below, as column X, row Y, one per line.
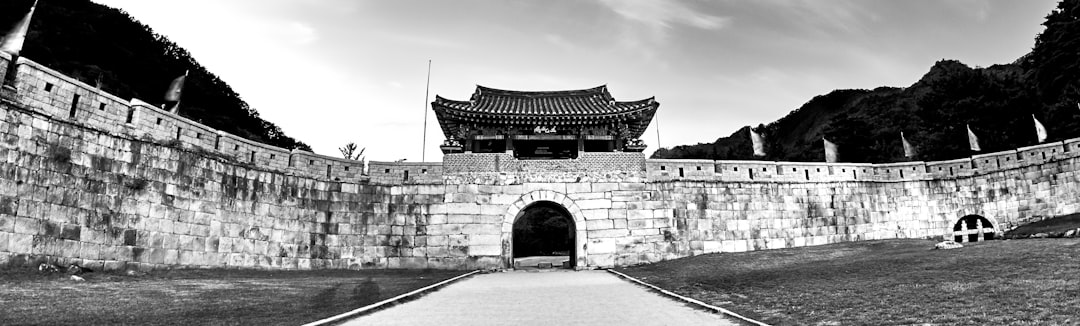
column 484, row 90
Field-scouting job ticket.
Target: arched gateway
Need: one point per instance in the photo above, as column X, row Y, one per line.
column 553, row 200
column 972, row 228
column 499, row 137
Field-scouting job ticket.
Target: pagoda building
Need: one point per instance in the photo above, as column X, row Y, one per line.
column 543, row 124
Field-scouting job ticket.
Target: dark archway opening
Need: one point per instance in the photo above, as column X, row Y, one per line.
column 973, row 228
column 543, row 237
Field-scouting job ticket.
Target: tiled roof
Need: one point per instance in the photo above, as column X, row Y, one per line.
column 573, row 107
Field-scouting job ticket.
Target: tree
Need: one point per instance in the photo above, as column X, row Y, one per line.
column 350, row 153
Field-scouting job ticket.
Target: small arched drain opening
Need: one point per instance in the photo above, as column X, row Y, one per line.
column 543, row 237
column 973, row 228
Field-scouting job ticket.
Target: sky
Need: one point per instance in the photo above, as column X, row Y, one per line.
column 329, row 72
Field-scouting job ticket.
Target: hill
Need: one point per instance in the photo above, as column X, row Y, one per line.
column 997, row 102
column 107, row 47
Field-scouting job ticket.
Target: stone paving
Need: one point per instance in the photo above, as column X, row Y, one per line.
column 543, row 298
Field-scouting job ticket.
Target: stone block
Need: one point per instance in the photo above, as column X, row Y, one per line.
column 462, row 219
column 552, row 186
column 603, row 224
column 493, row 209
column 7, row 223
column 485, row 239
column 608, row 233
column 644, row 232
column 587, row 204
column 503, row 199
column 601, row 246
column 594, row 214
column 481, row 229
column 26, row 225
column 438, row 240
column 573, row 188
column 735, row 245
column 601, row 260
column 171, row 257
column 604, row 186
column 640, row 224
column 485, row 250
column 710, row 246
column 437, row 219
column 90, row 250
column 462, row 208
column 458, row 240
column 638, row 214
column 5, row 241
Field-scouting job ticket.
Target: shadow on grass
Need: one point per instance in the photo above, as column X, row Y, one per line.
column 358, row 294
column 1051, row 227
column 890, row 282
column 200, row 297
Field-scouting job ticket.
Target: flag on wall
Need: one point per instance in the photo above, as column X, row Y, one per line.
column 972, row 140
column 830, row 151
column 909, row 151
column 176, row 88
column 13, row 41
column 759, row 143
column 1040, row 131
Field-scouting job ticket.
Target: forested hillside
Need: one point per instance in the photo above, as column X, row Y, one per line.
column 104, row 46
column 998, row 102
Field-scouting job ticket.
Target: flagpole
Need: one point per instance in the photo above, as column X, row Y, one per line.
column 657, row 118
column 427, row 88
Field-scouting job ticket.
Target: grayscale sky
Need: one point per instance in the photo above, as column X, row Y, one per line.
column 334, row 71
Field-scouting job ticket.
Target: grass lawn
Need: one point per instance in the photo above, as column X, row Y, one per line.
column 891, row 282
column 199, row 297
column 1052, row 226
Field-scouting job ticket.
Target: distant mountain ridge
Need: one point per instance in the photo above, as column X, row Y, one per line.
column 106, row 47
column 998, row 102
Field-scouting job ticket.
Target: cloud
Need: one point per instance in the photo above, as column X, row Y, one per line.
column 558, row 41
column 301, row 33
column 828, row 16
column 416, row 40
column 978, row 9
column 661, row 15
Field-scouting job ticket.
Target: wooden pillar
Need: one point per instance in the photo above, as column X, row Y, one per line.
column 509, row 143
column 580, row 144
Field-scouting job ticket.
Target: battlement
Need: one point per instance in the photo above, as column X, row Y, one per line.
column 63, row 98
column 769, row 171
column 53, row 94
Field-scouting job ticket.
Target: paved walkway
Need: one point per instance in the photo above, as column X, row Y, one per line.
column 542, row 298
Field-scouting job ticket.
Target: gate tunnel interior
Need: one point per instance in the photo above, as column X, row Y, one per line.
column 543, row 237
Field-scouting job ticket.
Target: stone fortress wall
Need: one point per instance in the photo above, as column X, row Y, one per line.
column 89, row 178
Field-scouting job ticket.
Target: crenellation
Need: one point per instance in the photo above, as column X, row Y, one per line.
column 1042, row 153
